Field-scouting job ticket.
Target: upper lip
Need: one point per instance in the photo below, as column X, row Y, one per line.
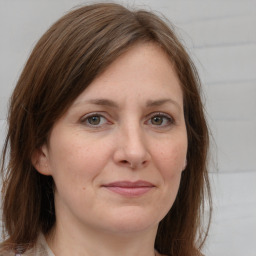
column 129, row 184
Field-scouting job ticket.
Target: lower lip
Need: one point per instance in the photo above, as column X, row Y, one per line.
column 130, row 192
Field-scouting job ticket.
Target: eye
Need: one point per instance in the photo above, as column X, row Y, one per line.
column 160, row 119
column 157, row 120
column 94, row 120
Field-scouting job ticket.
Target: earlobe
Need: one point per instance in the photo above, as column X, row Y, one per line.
column 40, row 160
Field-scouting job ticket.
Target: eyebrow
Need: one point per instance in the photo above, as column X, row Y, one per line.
column 160, row 102
column 149, row 103
column 103, row 102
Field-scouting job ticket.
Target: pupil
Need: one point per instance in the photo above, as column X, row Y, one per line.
column 94, row 120
column 157, row 120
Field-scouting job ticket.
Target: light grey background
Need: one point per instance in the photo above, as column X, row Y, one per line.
column 221, row 37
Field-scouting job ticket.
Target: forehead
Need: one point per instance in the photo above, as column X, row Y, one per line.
column 143, row 72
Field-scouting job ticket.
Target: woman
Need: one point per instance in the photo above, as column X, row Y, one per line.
column 108, row 141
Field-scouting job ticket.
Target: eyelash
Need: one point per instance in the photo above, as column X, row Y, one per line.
column 85, row 119
column 168, row 118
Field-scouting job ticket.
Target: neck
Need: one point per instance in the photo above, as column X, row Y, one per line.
column 64, row 240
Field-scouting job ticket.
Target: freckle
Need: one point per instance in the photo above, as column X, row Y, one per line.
column 83, row 188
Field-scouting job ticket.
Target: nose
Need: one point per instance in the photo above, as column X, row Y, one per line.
column 132, row 150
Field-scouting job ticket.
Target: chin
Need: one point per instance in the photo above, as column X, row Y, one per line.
column 133, row 220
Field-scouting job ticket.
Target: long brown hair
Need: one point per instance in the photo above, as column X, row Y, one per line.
column 67, row 58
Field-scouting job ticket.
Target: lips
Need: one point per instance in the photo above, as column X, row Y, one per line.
column 130, row 189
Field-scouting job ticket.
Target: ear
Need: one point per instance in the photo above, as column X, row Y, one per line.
column 40, row 160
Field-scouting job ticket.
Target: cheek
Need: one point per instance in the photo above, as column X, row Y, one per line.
column 169, row 161
column 170, row 157
column 76, row 158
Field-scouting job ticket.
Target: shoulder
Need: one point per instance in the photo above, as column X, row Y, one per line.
column 6, row 252
column 40, row 248
column 31, row 252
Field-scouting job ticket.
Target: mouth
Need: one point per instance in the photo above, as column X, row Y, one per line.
column 130, row 189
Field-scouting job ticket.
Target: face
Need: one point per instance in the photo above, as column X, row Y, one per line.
column 117, row 154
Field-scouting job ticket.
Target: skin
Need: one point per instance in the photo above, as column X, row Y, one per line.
column 137, row 132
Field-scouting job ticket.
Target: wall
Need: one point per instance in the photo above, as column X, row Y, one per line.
column 221, row 37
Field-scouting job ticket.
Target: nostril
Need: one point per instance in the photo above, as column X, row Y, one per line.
column 133, row 164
